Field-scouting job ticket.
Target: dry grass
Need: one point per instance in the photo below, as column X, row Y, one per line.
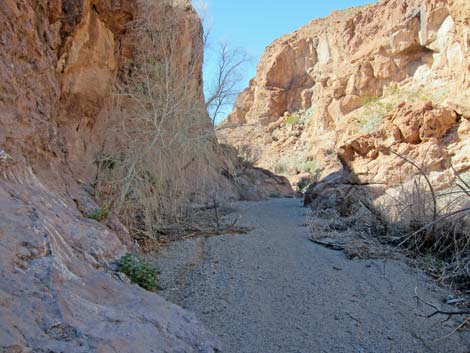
column 352, row 227
column 433, row 226
column 161, row 142
column 429, row 225
column 350, row 235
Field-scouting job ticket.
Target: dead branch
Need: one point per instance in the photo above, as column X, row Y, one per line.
column 440, row 219
column 437, row 310
column 426, row 178
column 465, row 189
column 227, row 79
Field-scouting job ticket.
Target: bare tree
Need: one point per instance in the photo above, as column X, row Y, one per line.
column 160, row 143
column 225, row 65
column 225, row 85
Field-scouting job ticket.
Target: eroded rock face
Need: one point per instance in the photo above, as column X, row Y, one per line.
column 394, row 74
column 57, row 291
column 58, row 62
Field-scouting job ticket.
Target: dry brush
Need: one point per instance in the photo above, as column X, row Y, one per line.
column 163, row 155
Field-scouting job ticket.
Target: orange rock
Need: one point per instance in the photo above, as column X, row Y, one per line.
column 390, row 75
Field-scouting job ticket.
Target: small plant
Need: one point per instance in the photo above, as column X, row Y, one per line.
column 104, row 161
column 275, row 195
column 305, row 182
column 139, row 271
column 249, row 155
column 281, row 167
column 367, row 99
column 418, row 95
column 101, row 214
column 309, row 167
column 389, row 107
column 292, row 120
column 392, row 88
column 371, row 124
column 149, row 177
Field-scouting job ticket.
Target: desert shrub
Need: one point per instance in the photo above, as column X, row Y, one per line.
column 308, row 180
column 371, row 124
column 104, row 161
column 418, row 95
column 433, row 224
column 309, row 166
column 430, row 225
column 367, row 99
column 281, row 166
column 292, row 120
column 249, row 155
column 292, row 165
column 392, row 88
column 139, row 271
column 372, row 114
column 100, row 214
column 160, row 139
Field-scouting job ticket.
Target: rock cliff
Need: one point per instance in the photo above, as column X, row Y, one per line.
column 59, row 60
column 347, row 89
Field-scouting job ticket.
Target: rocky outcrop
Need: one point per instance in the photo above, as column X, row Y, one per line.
column 252, row 183
column 394, row 74
column 58, row 62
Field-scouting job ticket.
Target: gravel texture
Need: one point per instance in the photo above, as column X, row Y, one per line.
column 274, row 291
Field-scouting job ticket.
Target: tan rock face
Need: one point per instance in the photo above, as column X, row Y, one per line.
column 88, row 66
column 393, row 74
column 58, row 62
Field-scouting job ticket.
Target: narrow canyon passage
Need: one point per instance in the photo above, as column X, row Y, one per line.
column 273, row 290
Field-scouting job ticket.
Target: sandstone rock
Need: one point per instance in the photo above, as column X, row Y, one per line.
column 436, row 123
column 252, row 183
column 361, row 65
column 350, row 103
column 58, row 292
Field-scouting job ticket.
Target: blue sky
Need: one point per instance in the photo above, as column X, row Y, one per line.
column 254, row 24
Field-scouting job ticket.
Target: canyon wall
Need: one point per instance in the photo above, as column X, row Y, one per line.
column 59, row 61
column 350, row 88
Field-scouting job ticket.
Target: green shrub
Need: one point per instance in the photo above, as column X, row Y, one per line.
column 292, row 120
column 418, row 95
column 392, row 88
column 309, row 166
column 104, row 161
column 101, row 214
column 367, row 99
column 139, row 271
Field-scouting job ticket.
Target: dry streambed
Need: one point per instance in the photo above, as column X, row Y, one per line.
column 274, row 291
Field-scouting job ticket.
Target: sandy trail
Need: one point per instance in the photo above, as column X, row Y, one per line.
column 274, row 291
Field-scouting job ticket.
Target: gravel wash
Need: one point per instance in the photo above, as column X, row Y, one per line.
column 274, row 291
